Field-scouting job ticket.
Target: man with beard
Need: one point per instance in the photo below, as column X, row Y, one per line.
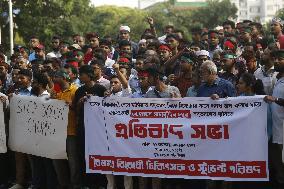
column 229, row 68
column 267, row 73
column 55, row 53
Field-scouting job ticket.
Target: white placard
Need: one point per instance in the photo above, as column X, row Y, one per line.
column 3, row 147
column 38, row 126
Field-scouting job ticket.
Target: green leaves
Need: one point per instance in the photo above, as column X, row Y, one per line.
column 45, row 18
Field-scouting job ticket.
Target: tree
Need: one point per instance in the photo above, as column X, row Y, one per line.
column 215, row 13
column 108, row 19
column 280, row 13
column 46, row 18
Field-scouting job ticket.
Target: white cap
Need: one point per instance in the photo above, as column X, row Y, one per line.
column 142, row 41
column 76, row 46
column 202, row 53
column 124, row 28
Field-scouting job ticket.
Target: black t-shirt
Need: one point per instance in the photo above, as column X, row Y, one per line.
column 96, row 90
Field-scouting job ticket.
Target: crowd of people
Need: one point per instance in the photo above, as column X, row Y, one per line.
column 228, row 61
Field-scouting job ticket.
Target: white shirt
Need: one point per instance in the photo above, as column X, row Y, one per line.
column 104, row 82
column 109, row 62
column 268, row 79
column 7, row 101
column 123, row 93
column 53, row 54
column 277, row 113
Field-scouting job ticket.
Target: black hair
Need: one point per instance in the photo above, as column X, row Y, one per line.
column 114, row 76
column 256, row 84
column 26, row 72
column 41, row 79
column 56, row 37
column 155, row 71
column 179, row 31
column 105, row 42
column 99, row 62
column 155, row 44
column 247, row 21
column 173, row 35
column 204, row 33
column 87, row 69
column 196, row 30
column 198, row 44
column 123, row 43
column 92, row 35
column 229, row 22
column 140, row 56
column 100, row 53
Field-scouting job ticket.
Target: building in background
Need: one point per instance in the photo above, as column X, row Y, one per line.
column 258, row 10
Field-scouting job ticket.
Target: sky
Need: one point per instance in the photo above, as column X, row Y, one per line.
column 128, row 3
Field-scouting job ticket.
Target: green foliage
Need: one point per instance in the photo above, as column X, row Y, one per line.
column 215, row 13
column 108, row 19
column 280, row 13
column 46, row 18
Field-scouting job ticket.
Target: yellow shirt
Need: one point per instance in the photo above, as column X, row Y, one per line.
column 68, row 95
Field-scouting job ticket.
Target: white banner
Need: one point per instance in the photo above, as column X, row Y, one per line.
column 3, row 148
column 38, row 126
column 196, row 138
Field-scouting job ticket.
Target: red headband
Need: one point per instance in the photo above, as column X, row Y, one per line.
column 229, row 44
column 164, row 47
column 143, row 74
column 124, row 60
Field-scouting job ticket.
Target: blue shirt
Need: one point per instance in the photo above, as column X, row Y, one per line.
column 25, row 92
column 32, row 56
column 277, row 113
column 221, row 87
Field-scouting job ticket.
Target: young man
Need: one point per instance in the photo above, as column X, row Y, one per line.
column 67, row 94
column 98, row 66
column 119, row 88
column 34, row 42
column 165, row 53
column 55, row 45
column 87, row 77
column 5, row 77
column 267, row 73
column 43, row 174
column 229, row 71
column 213, row 42
column 124, row 34
column 229, row 27
column 106, row 46
column 158, row 90
column 24, row 81
column 251, row 62
column 276, row 28
column 173, row 41
column 39, row 52
column 277, row 124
